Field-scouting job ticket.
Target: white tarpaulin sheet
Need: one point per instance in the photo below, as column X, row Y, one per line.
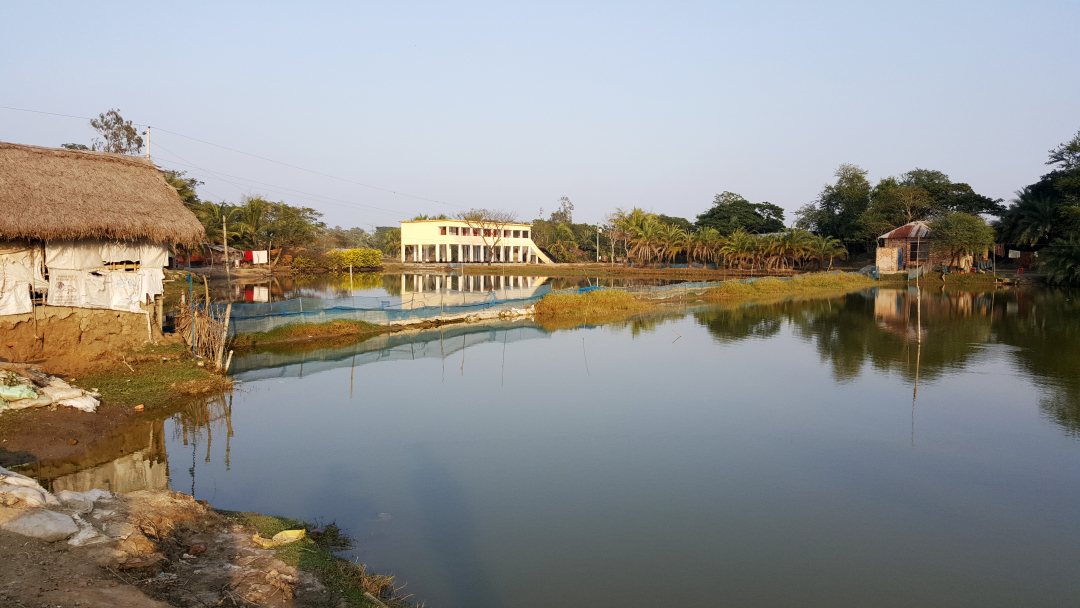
column 73, row 256
column 260, row 257
column 23, row 263
column 85, row 255
column 80, row 275
column 111, row 289
column 16, row 265
column 15, row 297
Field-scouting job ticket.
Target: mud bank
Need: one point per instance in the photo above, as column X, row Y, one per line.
column 71, row 339
column 158, row 548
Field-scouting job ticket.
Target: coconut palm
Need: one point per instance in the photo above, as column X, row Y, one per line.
column 1035, row 218
column 740, row 248
column 827, row 247
column 250, row 221
column 705, row 245
column 646, row 241
column 674, row 241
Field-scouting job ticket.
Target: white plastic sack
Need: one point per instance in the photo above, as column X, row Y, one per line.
column 65, row 287
column 15, row 297
column 85, row 403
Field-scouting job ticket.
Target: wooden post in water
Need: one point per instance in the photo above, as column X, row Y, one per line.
column 225, row 243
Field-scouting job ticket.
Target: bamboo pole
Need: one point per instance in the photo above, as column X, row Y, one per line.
column 224, row 337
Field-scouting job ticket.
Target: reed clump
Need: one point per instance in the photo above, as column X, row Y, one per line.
column 592, row 306
column 806, row 285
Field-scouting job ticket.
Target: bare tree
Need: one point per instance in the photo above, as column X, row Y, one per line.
column 490, row 224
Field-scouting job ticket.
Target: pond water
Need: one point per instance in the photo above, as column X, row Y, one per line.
column 876, row 449
column 402, row 286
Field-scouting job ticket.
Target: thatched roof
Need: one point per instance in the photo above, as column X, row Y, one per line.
column 53, row 194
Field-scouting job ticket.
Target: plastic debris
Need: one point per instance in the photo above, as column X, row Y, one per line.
column 281, row 538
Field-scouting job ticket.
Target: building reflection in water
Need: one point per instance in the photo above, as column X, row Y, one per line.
column 424, row 290
column 134, row 456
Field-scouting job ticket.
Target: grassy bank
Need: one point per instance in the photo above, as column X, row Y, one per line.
column 801, row 286
column 315, row 553
column 300, row 332
column 154, row 376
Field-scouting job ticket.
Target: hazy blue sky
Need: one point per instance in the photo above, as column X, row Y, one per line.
column 512, row 105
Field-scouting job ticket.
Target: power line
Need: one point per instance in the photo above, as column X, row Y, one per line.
column 251, row 154
column 185, row 162
column 312, row 171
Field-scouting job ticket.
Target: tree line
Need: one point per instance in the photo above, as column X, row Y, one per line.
column 847, row 215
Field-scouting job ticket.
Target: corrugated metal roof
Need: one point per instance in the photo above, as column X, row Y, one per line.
column 912, row 230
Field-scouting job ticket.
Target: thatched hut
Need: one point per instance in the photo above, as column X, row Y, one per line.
column 85, row 229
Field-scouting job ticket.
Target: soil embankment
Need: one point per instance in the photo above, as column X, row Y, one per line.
column 158, row 548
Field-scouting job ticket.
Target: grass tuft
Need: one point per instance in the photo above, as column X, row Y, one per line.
column 315, row 554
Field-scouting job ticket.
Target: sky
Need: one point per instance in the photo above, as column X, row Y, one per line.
column 373, row 112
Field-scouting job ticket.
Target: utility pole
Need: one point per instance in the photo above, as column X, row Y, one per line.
column 225, row 242
column 598, row 244
column 147, row 142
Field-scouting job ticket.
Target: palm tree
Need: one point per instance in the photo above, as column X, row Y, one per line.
column 704, row 245
column 251, row 220
column 739, row 248
column 674, row 241
column 827, row 247
column 1035, row 218
column 646, row 242
column 211, row 216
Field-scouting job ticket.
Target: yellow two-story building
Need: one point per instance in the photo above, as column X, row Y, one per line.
column 460, row 242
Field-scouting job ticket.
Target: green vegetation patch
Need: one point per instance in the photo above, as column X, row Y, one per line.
column 806, row 285
column 589, row 307
column 154, row 377
column 315, row 553
column 295, row 332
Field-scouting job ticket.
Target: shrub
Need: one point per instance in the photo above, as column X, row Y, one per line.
column 342, row 259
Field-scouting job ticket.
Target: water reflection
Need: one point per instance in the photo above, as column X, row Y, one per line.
column 760, row 452
column 333, row 286
column 134, row 456
column 880, row 329
column 443, row 342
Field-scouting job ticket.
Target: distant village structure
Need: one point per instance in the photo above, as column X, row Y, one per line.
column 459, row 242
column 909, row 247
column 83, row 230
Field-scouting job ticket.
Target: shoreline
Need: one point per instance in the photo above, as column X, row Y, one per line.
column 163, row 378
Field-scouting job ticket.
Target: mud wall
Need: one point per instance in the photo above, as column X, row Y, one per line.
column 67, row 338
